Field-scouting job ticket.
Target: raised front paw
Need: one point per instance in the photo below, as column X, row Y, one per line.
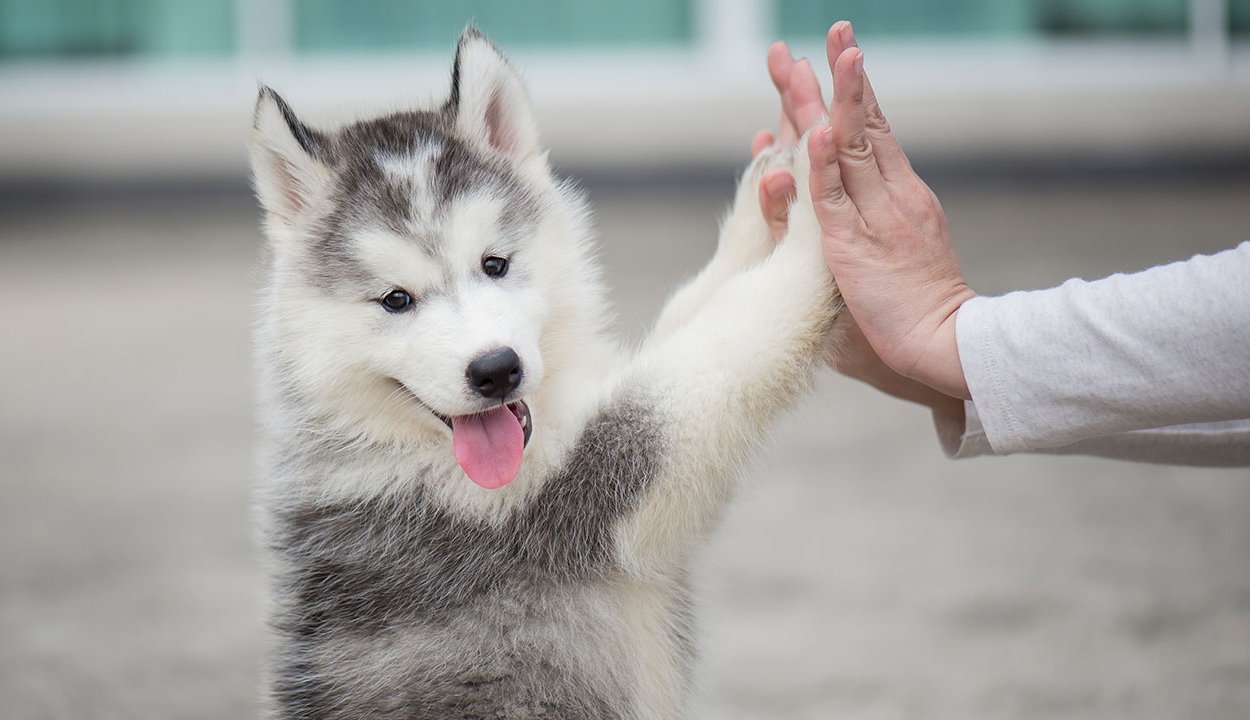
column 802, row 228
column 800, row 250
column 745, row 235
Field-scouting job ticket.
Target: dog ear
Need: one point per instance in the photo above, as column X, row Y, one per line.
column 288, row 159
column 489, row 103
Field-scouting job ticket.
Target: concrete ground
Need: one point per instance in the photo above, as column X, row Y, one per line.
column 860, row 575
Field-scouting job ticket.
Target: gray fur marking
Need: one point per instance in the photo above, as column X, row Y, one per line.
column 468, row 594
column 368, row 197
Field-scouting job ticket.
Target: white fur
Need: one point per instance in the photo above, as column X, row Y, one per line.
column 415, row 169
column 494, row 107
column 729, row 352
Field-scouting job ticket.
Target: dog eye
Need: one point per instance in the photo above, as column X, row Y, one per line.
column 495, row 266
column 396, row 301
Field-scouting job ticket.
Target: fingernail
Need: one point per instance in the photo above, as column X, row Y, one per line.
column 847, row 33
column 859, row 62
column 824, row 136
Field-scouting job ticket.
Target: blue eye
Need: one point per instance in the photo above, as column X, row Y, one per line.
column 396, row 301
column 495, row 266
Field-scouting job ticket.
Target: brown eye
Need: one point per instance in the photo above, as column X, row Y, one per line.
column 396, row 301
column 495, row 266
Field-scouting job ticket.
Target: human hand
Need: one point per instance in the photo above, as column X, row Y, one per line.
column 854, row 357
column 851, row 354
column 885, row 236
column 801, row 109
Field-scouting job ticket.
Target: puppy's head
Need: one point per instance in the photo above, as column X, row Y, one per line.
column 421, row 265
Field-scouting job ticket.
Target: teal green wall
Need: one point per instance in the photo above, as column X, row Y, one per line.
column 103, row 28
column 330, row 25
column 1239, row 17
column 112, row 28
column 987, row 17
column 207, row 28
column 906, row 17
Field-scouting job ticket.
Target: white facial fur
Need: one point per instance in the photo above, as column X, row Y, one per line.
column 460, row 312
column 333, row 359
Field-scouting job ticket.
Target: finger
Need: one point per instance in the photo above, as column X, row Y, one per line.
column 777, row 191
column 860, row 174
column 805, row 98
column 890, row 158
column 779, row 64
column 762, row 141
column 836, row 212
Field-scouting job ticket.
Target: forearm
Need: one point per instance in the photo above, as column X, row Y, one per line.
column 1165, row 347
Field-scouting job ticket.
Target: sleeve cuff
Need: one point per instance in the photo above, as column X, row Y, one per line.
column 962, row 439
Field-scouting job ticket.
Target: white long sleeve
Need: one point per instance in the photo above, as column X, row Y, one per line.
column 1152, row 366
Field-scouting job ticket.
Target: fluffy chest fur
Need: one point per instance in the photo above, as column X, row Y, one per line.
column 477, row 506
column 396, row 607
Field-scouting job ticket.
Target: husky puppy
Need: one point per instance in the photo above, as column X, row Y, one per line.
column 479, row 505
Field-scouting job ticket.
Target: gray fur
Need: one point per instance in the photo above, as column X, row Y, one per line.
column 402, row 592
column 365, row 196
column 311, row 141
column 402, row 568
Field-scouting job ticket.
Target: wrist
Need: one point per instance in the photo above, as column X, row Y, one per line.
column 949, row 407
column 940, row 368
column 950, row 378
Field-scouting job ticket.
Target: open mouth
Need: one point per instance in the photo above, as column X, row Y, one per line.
column 489, row 444
column 518, row 408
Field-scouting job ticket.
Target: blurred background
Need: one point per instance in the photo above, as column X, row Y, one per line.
column 161, row 88
column 862, row 574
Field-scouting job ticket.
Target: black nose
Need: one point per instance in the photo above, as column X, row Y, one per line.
column 496, row 373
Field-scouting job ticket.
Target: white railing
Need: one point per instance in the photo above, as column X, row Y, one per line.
column 628, row 107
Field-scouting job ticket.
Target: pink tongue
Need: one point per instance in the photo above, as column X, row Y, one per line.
column 489, row 446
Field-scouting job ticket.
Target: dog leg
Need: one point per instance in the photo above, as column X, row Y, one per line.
column 744, row 241
column 721, row 379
